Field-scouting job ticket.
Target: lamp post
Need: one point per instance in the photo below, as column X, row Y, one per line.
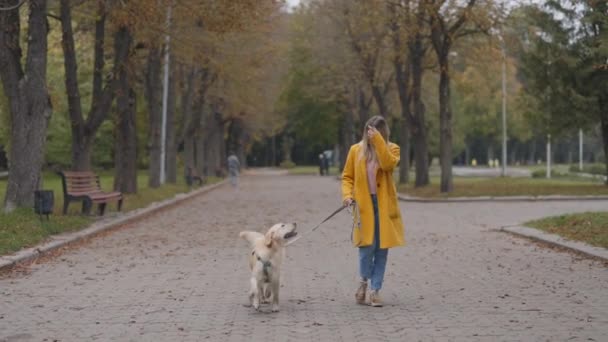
column 163, row 134
column 580, row 149
column 548, row 155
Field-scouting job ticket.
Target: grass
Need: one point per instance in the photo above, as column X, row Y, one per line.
column 311, row 170
column 22, row 228
column 590, row 227
column 475, row 187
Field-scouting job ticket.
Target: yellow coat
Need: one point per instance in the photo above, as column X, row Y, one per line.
column 354, row 185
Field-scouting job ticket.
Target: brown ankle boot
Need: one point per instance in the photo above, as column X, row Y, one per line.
column 360, row 295
column 374, row 299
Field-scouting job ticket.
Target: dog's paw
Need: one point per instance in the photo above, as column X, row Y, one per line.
column 275, row 308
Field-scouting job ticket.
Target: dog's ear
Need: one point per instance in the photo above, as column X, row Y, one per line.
column 269, row 238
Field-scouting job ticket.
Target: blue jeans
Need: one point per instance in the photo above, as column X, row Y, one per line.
column 372, row 259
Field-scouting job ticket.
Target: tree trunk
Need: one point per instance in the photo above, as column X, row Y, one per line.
column 187, row 135
column 125, row 179
column 213, row 144
column 287, row 146
column 81, row 152
column 171, row 143
column 532, row 153
column 83, row 132
column 443, row 33
column 402, row 76
column 603, row 101
column 348, row 137
column 29, row 102
column 153, row 93
column 221, row 144
column 273, row 151
column 418, row 122
column 200, row 154
column 81, row 156
column 445, row 124
column 404, row 163
column 363, row 105
column 378, row 94
column 234, row 144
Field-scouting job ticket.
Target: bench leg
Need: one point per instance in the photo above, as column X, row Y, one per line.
column 86, row 206
column 119, row 204
column 66, row 203
column 101, row 208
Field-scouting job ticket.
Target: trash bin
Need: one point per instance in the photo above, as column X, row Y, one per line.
column 44, row 202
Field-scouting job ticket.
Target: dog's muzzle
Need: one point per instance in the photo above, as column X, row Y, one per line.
column 290, row 234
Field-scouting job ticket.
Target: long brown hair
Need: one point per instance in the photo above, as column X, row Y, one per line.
column 378, row 122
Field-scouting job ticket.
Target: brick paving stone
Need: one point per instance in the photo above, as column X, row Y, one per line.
column 182, row 275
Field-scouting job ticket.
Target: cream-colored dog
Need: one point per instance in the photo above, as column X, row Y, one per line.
column 265, row 262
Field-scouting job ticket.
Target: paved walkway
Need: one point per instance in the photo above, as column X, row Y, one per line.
column 182, row 275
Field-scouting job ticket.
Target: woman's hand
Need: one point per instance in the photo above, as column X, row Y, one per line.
column 371, row 131
column 348, row 202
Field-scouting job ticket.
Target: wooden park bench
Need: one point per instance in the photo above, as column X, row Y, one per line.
column 84, row 186
column 192, row 176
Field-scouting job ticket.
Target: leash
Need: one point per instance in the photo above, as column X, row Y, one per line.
column 325, row 220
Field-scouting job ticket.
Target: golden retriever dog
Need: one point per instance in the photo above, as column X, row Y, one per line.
column 265, row 262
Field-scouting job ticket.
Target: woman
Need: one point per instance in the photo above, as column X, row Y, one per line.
column 368, row 181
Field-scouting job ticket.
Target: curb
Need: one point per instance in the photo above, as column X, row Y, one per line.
column 62, row 240
column 501, row 199
column 556, row 240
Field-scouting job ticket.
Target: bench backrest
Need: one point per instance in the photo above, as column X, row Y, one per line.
column 79, row 182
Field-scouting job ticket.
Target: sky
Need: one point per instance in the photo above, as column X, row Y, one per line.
column 292, row 3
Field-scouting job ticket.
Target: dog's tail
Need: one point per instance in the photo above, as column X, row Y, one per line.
column 250, row 236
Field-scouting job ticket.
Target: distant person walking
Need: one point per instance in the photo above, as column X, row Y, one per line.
column 326, row 164
column 234, row 167
column 321, row 164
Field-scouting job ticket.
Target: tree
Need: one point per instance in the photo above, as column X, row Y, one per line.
column 400, row 18
column 417, row 49
column 153, row 94
column 447, row 25
column 477, row 92
column 366, row 26
column 29, row 103
column 85, row 129
column 125, row 175
column 565, row 66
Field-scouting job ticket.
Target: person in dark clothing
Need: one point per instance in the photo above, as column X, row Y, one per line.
column 321, row 164
column 326, row 164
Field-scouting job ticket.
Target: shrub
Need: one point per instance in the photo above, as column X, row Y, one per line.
column 288, row 164
column 594, row 169
column 543, row 174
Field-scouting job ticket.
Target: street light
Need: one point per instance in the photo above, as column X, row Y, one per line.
column 163, row 134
